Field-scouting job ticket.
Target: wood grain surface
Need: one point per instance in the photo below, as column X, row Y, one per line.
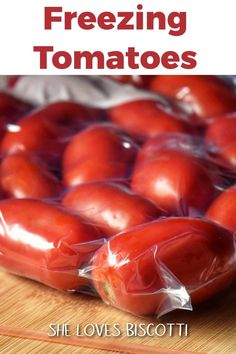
column 27, row 309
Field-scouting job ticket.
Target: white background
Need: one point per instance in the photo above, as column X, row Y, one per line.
column 211, row 30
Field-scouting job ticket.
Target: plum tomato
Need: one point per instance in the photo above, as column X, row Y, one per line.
column 207, row 96
column 25, row 176
column 46, row 131
column 110, row 206
column 42, row 241
column 223, row 209
column 174, row 179
column 222, row 130
column 171, row 141
column 100, row 152
column 221, row 137
column 133, row 270
column 147, row 118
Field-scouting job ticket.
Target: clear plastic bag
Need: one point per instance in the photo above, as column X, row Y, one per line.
column 121, row 208
column 149, row 269
column 161, row 265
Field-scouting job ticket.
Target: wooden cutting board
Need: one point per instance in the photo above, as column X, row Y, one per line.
column 27, row 309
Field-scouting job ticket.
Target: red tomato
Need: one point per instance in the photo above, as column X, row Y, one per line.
column 99, row 152
column 23, row 176
column 191, row 145
column 221, row 134
column 228, row 154
column 12, row 108
column 112, row 207
column 146, row 118
column 170, row 141
column 47, row 130
column 223, row 209
column 136, row 270
column 41, row 241
column 222, row 131
column 173, row 179
column 207, row 95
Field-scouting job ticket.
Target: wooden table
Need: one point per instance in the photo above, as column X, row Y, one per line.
column 27, row 309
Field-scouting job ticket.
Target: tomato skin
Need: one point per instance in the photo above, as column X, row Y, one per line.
column 100, row 152
column 172, row 142
column 33, row 136
column 46, row 131
column 222, row 130
column 173, row 179
column 24, row 176
column 111, row 207
column 128, row 271
column 221, row 136
column 147, row 118
column 40, row 241
column 228, row 155
column 208, row 96
column 11, row 108
column 223, row 209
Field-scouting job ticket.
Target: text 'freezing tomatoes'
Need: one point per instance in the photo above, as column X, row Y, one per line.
column 46, row 131
column 136, row 269
column 207, row 96
column 100, row 152
column 109, row 206
column 25, row 176
column 146, row 118
column 170, row 173
column 43, row 242
column 223, row 209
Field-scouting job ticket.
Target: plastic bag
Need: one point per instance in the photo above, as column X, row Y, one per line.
column 47, row 130
column 152, row 268
column 180, row 174
column 149, row 269
column 206, row 96
column 94, row 91
column 117, row 205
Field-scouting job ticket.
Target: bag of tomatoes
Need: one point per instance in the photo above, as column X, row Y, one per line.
column 134, row 203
